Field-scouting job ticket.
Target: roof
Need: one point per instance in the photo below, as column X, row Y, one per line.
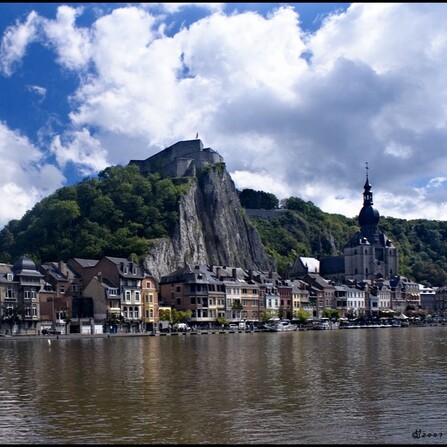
column 86, row 262
column 312, row 264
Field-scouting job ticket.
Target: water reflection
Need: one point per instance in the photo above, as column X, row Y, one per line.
column 354, row 387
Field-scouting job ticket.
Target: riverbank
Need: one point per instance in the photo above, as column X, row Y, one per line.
column 177, row 333
column 137, row 334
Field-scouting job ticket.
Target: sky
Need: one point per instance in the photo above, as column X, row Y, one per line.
column 297, row 97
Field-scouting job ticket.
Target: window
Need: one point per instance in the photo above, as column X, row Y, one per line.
column 151, row 313
column 137, row 297
column 193, row 300
column 128, row 296
column 62, row 289
column 74, row 287
column 130, row 312
column 178, row 289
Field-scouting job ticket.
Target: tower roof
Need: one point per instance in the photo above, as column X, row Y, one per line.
column 369, row 216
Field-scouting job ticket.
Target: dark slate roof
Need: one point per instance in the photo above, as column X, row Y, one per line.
column 25, row 266
column 332, row 265
column 86, row 262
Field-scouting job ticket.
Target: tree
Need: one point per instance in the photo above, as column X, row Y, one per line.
column 12, row 316
column 222, row 321
column 302, row 315
column 237, row 305
column 331, row 313
column 252, row 199
column 113, row 320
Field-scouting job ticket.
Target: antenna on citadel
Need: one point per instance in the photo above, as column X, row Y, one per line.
column 197, row 135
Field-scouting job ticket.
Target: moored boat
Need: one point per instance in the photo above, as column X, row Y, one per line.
column 283, row 326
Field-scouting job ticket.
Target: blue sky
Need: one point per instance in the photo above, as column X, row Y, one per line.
column 296, row 97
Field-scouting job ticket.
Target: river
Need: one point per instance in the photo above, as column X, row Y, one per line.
column 360, row 386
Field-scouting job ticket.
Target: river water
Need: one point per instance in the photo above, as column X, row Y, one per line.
column 359, row 386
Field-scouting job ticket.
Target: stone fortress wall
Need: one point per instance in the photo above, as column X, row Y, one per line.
column 183, row 158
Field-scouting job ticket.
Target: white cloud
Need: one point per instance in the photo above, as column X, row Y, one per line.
column 81, row 149
column 25, row 178
column 14, row 42
column 291, row 113
column 72, row 44
column 40, row 91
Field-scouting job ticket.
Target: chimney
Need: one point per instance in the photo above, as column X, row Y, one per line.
column 218, row 272
column 234, row 272
column 62, row 268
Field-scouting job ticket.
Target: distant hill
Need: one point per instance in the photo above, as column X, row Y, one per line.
column 300, row 228
column 165, row 222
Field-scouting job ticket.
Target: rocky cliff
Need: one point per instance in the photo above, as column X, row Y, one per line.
column 213, row 229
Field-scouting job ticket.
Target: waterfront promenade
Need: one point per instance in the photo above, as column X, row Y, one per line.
column 180, row 333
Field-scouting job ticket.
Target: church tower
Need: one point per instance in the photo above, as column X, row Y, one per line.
column 369, row 254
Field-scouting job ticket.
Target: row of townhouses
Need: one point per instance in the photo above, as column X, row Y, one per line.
column 116, row 294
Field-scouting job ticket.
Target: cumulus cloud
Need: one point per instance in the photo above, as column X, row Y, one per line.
column 292, row 112
column 26, row 178
column 72, row 44
column 14, row 42
column 82, row 150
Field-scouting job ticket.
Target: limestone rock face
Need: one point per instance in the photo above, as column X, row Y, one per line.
column 213, row 229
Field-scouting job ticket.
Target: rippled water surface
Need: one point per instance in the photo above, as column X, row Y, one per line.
column 373, row 386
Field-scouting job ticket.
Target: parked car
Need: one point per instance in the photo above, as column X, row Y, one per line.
column 182, row 327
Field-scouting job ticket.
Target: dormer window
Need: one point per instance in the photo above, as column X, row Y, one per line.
column 9, row 276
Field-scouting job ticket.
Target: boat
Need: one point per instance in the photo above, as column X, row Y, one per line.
column 283, row 326
column 323, row 324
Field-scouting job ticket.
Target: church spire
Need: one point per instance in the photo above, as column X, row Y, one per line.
column 367, row 194
column 368, row 217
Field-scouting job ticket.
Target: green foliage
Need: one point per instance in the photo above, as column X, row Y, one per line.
column 302, row 315
column 266, row 315
column 222, row 321
column 237, row 305
column 252, row 199
column 122, row 212
column 175, row 316
column 165, row 314
column 331, row 313
column 305, row 230
column 118, row 213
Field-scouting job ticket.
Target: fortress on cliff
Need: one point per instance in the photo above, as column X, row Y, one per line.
column 181, row 159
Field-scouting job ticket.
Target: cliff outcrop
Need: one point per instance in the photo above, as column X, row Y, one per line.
column 213, row 229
